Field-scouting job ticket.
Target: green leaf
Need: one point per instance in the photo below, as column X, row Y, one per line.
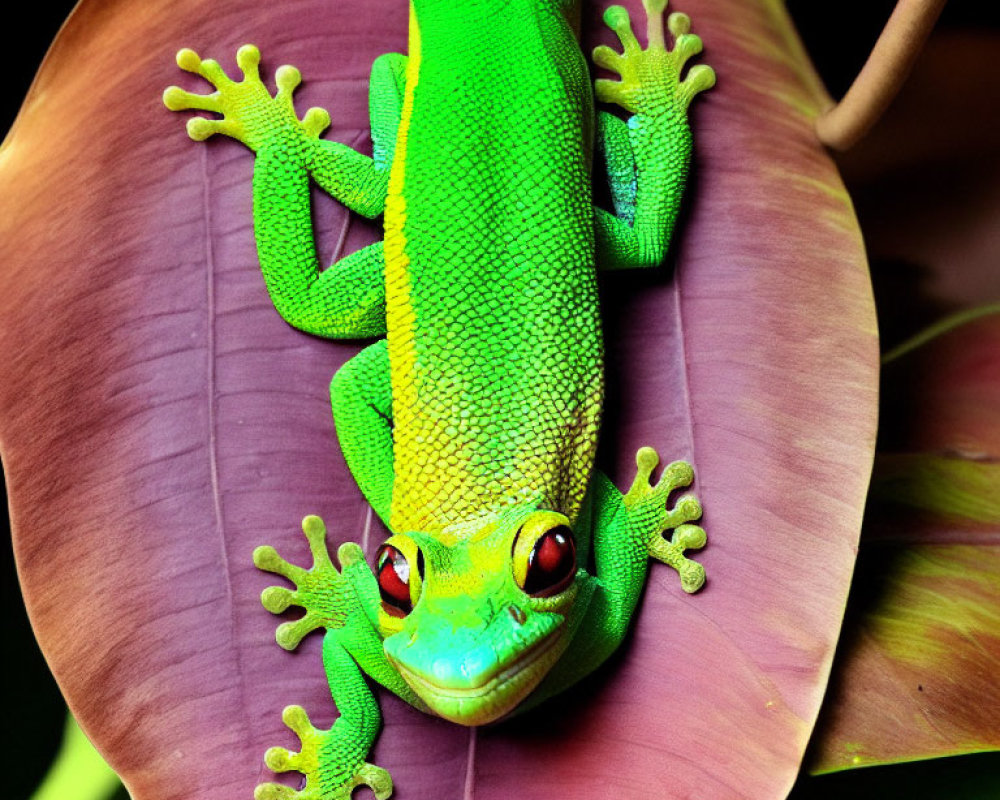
column 79, row 772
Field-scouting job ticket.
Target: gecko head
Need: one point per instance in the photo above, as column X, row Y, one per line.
column 474, row 622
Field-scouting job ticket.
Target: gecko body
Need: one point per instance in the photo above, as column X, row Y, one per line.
column 513, row 566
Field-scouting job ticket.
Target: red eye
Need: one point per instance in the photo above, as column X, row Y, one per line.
column 393, row 572
column 552, row 563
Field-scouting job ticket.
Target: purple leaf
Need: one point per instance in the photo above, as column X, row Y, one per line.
column 916, row 673
column 158, row 421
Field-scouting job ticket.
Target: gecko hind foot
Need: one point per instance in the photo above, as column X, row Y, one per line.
column 646, row 504
column 329, row 759
column 250, row 114
column 651, row 78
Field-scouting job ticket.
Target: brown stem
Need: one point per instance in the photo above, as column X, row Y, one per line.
column 883, row 74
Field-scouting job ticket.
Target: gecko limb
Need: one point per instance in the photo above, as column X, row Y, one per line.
column 329, row 597
column 658, row 141
column 648, row 514
column 249, row 113
column 361, row 396
column 333, row 760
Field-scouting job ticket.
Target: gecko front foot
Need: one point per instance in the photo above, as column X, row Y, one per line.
column 332, row 761
column 646, row 506
column 325, row 594
column 249, row 113
column 651, row 79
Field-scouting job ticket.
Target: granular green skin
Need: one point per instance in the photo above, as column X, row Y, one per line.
column 500, row 278
column 472, row 427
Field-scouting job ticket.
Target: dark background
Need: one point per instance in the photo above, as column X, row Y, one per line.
column 839, row 37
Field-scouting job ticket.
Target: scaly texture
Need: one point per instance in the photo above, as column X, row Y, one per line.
column 473, row 431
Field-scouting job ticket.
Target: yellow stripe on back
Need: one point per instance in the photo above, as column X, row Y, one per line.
column 400, row 316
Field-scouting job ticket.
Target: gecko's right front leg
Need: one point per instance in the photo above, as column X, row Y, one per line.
column 332, row 760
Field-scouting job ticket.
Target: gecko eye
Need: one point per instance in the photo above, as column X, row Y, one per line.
column 550, row 564
column 394, row 580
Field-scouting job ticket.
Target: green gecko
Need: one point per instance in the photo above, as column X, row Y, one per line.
column 471, row 428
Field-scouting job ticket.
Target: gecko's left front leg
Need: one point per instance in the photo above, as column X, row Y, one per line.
column 649, row 516
column 627, row 530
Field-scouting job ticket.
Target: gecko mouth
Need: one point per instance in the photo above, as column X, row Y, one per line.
column 498, row 694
